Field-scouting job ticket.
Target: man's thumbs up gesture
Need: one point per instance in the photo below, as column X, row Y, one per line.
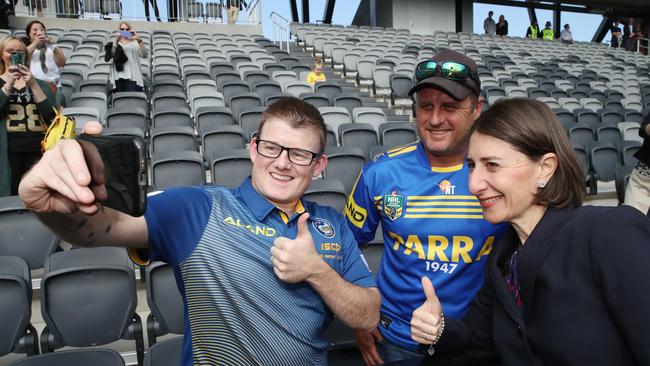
column 295, row 260
column 427, row 320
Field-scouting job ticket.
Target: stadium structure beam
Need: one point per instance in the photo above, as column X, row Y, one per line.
column 532, row 14
column 373, row 13
column 305, row 11
column 294, row 11
column 602, row 29
column 557, row 19
column 329, row 11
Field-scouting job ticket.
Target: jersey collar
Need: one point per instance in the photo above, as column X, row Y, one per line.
column 422, row 156
column 260, row 206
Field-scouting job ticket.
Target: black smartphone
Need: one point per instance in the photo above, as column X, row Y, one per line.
column 122, row 169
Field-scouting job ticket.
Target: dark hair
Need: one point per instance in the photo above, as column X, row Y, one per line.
column 531, row 128
column 298, row 114
column 42, row 47
column 29, row 26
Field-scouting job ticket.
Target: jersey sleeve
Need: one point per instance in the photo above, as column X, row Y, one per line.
column 354, row 268
column 360, row 212
column 176, row 219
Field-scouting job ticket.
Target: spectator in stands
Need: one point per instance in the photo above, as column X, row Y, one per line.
column 316, row 74
column 489, row 25
column 558, row 290
column 5, row 8
column 502, row 26
column 126, row 51
column 154, row 4
column 46, row 60
column 233, row 7
column 26, row 109
column 566, row 36
column 637, row 193
column 547, row 32
column 261, row 269
column 638, row 44
column 617, row 34
column 533, row 30
column 35, row 6
column 448, row 101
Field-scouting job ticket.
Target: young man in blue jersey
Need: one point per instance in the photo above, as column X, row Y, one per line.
column 260, row 269
column 432, row 225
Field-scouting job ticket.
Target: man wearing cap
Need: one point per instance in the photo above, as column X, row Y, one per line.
column 432, row 225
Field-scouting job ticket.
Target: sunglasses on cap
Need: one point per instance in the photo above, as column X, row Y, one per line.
column 450, row 70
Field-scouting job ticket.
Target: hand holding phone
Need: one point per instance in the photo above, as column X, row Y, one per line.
column 117, row 163
column 17, row 58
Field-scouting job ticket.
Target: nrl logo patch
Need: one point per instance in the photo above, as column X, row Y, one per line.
column 324, row 227
column 393, row 205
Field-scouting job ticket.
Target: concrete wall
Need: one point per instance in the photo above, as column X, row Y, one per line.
column 424, row 16
column 21, row 22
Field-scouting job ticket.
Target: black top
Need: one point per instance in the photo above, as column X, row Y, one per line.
column 502, row 30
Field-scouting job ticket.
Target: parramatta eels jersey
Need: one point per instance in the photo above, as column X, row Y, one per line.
column 432, row 225
column 237, row 312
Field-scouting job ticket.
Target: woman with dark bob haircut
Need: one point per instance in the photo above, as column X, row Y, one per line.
column 568, row 284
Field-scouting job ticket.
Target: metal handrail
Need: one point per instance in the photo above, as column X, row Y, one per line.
column 281, row 30
column 639, row 47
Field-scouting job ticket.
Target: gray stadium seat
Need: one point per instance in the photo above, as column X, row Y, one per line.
column 176, row 169
column 123, row 100
column 17, row 335
column 393, row 134
column 88, row 298
column 317, row 100
column 165, row 353
column 127, row 117
column 327, row 192
column 172, row 116
column 361, row 135
column 344, row 165
column 164, row 300
column 172, row 138
column 249, row 120
column 231, row 167
column 209, row 117
column 220, row 138
column 95, row 357
column 23, row 235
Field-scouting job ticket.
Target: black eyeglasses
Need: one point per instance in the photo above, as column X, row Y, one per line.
column 450, row 70
column 124, row 29
column 297, row 156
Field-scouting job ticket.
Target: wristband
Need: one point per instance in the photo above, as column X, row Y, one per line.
column 431, row 350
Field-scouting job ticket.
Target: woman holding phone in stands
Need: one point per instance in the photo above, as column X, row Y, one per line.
column 45, row 59
column 26, row 111
column 125, row 73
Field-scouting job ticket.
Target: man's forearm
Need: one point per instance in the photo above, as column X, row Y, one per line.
column 356, row 306
column 107, row 227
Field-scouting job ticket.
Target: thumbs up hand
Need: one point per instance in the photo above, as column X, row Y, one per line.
column 294, row 260
column 427, row 319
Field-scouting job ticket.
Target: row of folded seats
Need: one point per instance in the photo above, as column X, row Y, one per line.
column 88, row 299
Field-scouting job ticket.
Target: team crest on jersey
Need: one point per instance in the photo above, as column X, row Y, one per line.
column 446, row 187
column 324, row 227
column 393, row 205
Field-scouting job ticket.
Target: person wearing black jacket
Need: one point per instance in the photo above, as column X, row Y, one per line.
column 502, row 26
column 569, row 284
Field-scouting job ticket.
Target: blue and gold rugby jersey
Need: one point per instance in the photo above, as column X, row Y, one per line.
column 432, row 225
column 237, row 312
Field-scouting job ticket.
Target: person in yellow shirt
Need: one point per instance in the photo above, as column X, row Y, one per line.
column 547, row 33
column 317, row 73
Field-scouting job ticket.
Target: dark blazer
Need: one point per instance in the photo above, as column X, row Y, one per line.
column 585, row 283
